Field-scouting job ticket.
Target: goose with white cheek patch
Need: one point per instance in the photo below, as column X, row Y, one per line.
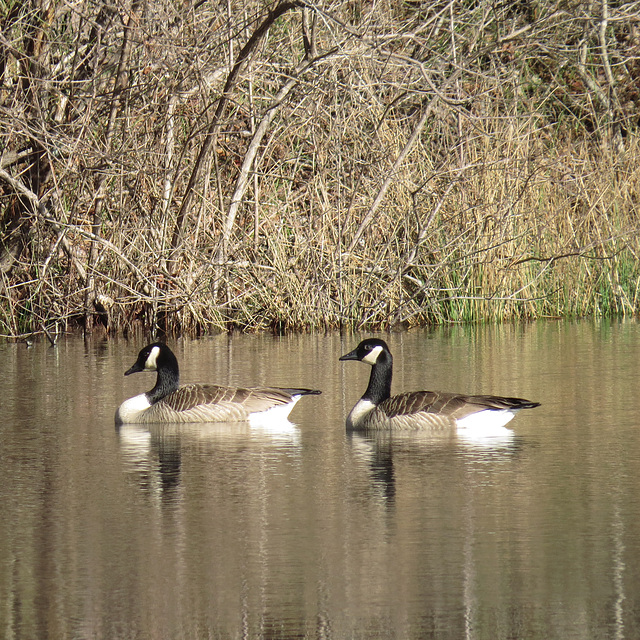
column 169, row 402
column 378, row 409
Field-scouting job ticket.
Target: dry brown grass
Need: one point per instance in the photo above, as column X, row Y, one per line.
column 413, row 164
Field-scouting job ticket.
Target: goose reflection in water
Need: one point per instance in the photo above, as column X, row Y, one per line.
column 154, row 459
column 153, row 453
column 384, row 451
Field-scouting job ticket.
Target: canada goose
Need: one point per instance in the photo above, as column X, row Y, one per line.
column 377, row 409
column 168, row 402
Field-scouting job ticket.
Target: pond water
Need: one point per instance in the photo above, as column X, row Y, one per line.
column 307, row 531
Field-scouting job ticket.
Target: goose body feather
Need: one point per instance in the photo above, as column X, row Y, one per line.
column 378, row 409
column 168, row 402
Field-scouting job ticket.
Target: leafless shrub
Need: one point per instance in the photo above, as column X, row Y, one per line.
column 198, row 167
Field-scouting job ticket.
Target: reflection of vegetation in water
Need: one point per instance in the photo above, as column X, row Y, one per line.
column 405, row 164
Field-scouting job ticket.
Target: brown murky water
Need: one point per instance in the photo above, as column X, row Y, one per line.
column 222, row 531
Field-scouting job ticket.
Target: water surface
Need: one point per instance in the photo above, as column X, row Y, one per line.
column 306, row 531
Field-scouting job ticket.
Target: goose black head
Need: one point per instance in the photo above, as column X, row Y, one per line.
column 372, row 351
column 153, row 357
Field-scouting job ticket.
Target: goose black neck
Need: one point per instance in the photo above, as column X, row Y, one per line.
column 379, row 388
column 167, row 381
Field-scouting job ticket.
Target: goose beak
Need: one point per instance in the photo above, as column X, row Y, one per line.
column 136, row 367
column 352, row 355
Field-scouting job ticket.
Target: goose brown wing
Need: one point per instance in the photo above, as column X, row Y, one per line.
column 500, row 403
column 193, row 395
column 449, row 404
column 263, row 398
column 251, row 399
column 421, row 401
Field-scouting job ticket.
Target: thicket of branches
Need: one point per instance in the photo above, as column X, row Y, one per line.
column 196, row 166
